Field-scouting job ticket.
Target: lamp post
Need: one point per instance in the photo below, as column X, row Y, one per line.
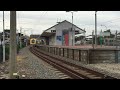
column 96, row 28
column 72, row 26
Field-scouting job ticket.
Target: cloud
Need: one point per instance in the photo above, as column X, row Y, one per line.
column 41, row 20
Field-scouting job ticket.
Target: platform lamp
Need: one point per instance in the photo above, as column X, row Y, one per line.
column 96, row 28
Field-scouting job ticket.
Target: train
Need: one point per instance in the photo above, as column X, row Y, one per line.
column 33, row 41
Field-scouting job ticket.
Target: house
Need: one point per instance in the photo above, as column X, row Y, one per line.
column 61, row 33
column 108, row 38
column 7, row 36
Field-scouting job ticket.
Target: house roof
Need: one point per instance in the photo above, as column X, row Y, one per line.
column 63, row 22
column 47, row 34
column 7, row 30
column 34, row 36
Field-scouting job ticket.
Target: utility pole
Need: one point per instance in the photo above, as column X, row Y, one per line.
column 72, row 29
column 3, row 40
column 73, row 32
column 101, row 38
column 13, row 45
column 93, row 39
column 95, row 28
column 20, row 37
column 116, row 39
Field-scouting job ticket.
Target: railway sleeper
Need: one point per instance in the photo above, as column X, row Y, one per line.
column 85, row 73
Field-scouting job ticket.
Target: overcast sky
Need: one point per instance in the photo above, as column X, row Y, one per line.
column 36, row 21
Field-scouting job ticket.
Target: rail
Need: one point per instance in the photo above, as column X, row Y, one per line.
column 72, row 70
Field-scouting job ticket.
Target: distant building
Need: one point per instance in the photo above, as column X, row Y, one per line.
column 61, row 33
column 80, row 39
column 108, row 38
column 7, row 35
column 35, row 36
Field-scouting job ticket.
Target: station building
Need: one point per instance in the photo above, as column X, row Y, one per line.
column 61, row 34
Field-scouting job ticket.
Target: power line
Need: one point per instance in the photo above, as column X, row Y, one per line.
column 111, row 21
column 45, row 13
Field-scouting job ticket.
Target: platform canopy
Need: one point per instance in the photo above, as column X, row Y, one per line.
column 47, row 34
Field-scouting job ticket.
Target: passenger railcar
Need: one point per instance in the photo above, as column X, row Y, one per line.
column 32, row 41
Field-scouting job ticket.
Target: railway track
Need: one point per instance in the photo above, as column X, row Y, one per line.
column 72, row 70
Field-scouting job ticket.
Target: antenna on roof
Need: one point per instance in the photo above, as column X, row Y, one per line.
column 58, row 21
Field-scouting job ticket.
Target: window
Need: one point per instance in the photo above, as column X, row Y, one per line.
column 33, row 41
column 53, row 30
column 76, row 32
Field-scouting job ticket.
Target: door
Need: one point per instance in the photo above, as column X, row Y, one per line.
column 66, row 37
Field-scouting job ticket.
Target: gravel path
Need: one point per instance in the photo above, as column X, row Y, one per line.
column 34, row 68
column 4, row 70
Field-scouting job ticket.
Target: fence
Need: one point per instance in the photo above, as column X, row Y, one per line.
column 86, row 56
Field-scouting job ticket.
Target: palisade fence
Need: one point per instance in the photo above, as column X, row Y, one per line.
column 86, row 56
